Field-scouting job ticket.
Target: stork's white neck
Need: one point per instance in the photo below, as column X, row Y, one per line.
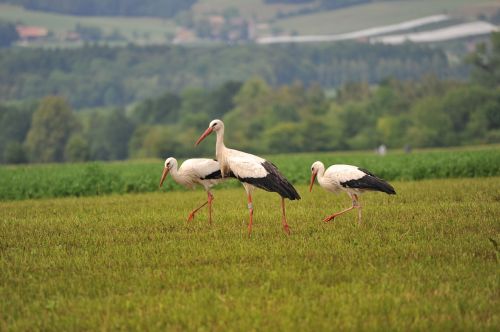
column 321, row 172
column 175, row 174
column 219, row 145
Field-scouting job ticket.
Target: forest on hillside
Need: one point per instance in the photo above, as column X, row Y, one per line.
column 428, row 112
column 153, row 8
column 321, row 4
column 159, row 8
column 95, row 76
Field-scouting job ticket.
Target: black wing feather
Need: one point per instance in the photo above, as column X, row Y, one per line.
column 217, row 175
column 369, row 182
column 274, row 181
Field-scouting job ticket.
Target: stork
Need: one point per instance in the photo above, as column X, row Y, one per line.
column 351, row 179
column 205, row 172
column 252, row 171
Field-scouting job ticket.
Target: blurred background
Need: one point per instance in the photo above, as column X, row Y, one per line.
column 84, row 80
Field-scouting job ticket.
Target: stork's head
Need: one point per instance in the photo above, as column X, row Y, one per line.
column 215, row 125
column 169, row 164
column 315, row 167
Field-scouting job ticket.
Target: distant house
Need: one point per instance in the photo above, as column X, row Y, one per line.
column 184, row 36
column 70, row 36
column 29, row 33
column 217, row 20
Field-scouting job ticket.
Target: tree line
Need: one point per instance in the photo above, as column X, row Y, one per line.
column 156, row 8
column 429, row 112
column 95, row 76
column 259, row 118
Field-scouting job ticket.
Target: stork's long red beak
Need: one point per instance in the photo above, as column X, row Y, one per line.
column 205, row 134
column 313, row 177
column 163, row 175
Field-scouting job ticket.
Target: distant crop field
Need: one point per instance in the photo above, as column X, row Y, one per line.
column 100, row 178
column 145, row 30
column 138, row 29
column 425, row 259
column 380, row 13
column 255, row 9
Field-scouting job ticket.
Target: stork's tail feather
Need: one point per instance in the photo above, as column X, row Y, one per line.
column 270, row 183
column 287, row 190
column 385, row 187
column 280, row 184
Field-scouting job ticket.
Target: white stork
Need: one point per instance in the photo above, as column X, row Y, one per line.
column 351, row 179
column 205, row 172
column 251, row 171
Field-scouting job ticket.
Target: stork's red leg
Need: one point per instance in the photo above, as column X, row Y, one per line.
column 191, row 215
column 210, row 199
column 250, row 210
column 333, row 216
column 355, row 204
column 286, row 228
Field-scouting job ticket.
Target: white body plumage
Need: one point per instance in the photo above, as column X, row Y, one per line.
column 195, row 171
column 351, row 179
column 334, row 175
column 205, row 172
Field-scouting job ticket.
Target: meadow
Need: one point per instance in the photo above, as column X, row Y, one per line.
column 380, row 13
column 103, row 178
column 148, row 30
column 425, row 259
column 133, row 28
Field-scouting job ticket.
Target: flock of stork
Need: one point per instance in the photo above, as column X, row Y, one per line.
column 253, row 171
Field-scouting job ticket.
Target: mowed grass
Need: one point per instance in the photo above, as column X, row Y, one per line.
column 422, row 260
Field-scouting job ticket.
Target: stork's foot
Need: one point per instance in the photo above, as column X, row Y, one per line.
column 286, row 228
column 328, row 219
column 191, row 216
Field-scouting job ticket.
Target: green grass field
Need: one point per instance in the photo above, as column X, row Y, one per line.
column 422, row 260
column 60, row 180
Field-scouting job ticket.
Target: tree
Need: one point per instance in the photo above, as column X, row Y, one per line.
column 153, row 111
column 109, row 135
column 221, row 100
column 284, row 137
column 353, row 91
column 14, row 153
column 430, row 125
column 52, row 125
column 194, row 110
column 15, row 121
column 247, row 119
column 157, row 8
column 77, row 149
column 88, row 33
column 8, row 34
column 486, row 61
column 154, row 142
column 392, row 129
